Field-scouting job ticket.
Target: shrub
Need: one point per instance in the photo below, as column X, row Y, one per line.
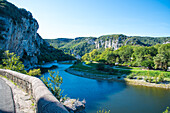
column 53, row 83
column 161, row 78
column 13, row 62
column 34, row 72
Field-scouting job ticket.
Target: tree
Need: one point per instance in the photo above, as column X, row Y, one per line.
column 104, row 56
column 86, row 57
column 144, row 53
column 125, row 53
column 111, row 58
column 53, row 83
column 165, row 50
column 148, row 63
column 12, row 62
column 160, row 61
column 93, row 54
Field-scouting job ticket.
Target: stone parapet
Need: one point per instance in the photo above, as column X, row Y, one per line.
column 44, row 99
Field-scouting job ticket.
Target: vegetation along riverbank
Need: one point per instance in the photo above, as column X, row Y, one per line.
column 133, row 75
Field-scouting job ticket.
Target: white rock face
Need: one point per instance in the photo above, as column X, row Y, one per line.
column 109, row 42
column 21, row 38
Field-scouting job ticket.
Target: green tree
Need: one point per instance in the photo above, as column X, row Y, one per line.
column 53, row 83
column 111, row 58
column 12, row 62
column 148, row 63
column 93, row 54
column 144, row 53
column 86, row 57
column 125, row 53
column 165, row 50
column 105, row 54
column 160, row 60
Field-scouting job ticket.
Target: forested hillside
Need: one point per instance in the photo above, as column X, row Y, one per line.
column 82, row 45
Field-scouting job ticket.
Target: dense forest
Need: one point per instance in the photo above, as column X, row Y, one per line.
column 157, row 56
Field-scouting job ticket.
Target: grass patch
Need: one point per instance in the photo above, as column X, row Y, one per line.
column 81, row 67
column 137, row 71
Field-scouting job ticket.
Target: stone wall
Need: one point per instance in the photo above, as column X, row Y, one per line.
column 45, row 101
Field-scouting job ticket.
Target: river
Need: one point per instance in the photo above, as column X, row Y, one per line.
column 118, row 97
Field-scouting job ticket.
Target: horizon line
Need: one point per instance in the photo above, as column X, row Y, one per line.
column 109, row 34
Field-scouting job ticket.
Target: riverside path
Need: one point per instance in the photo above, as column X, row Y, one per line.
column 6, row 98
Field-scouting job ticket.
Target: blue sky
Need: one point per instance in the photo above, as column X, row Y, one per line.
column 76, row 18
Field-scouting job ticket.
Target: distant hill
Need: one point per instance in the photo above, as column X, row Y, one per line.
column 82, row 45
column 57, row 43
column 77, row 46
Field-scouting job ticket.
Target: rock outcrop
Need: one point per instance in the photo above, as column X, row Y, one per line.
column 112, row 41
column 75, row 106
column 21, row 38
column 18, row 34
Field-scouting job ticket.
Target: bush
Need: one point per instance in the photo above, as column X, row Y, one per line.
column 161, row 78
column 13, row 62
column 34, row 72
column 53, row 83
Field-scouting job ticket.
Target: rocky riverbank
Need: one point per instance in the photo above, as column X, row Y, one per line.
column 117, row 78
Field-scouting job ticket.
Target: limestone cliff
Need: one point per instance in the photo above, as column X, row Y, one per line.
column 110, row 41
column 18, row 34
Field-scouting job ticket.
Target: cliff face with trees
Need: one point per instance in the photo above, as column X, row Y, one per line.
column 18, row 34
column 82, row 45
